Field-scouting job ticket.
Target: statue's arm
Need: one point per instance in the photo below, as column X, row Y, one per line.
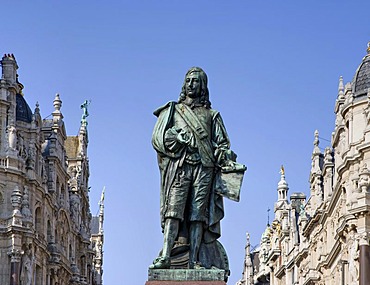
column 221, row 142
column 159, row 130
column 165, row 138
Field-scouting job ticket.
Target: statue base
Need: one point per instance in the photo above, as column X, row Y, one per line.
column 186, row 277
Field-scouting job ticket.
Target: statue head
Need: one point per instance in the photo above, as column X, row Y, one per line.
column 202, row 92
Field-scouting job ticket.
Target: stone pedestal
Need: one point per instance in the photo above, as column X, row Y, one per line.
column 186, row 277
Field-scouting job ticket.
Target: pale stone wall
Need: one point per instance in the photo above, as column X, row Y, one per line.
column 45, row 215
column 325, row 240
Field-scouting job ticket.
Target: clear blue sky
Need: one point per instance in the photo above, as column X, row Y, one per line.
column 273, row 69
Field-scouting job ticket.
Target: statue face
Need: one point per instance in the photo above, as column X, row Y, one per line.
column 192, row 85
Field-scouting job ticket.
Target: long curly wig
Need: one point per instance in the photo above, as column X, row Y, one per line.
column 204, row 96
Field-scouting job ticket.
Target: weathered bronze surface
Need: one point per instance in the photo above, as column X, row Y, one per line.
column 197, row 169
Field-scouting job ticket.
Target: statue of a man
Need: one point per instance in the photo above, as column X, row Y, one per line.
column 192, row 145
column 27, row 270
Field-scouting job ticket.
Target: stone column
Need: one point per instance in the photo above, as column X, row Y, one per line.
column 15, row 260
column 364, row 264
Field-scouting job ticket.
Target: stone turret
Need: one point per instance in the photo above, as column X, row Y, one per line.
column 282, row 189
column 316, row 188
column 10, row 67
column 247, row 277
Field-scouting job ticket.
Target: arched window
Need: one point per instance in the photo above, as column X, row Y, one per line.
column 63, row 195
column 57, row 189
column 48, row 231
column 70, row 252
column 38, row 220
column 83, row 266
column 38, row 274
column 56, row 237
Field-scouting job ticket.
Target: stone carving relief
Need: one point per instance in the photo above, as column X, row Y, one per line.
column 21, row 147
column 31, row 160
column 74, row 173
column 42, row 169
column 12, row 137
column 364, row 180
column 342, row 144
column 75, row 208
column 27, row 268
column 26, row 213
column 366, row 111
column 353, row 256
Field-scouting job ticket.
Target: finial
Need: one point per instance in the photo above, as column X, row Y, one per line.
column 282, row 185
column 85, row 114
column 57, row 102
column 37, row 107
column 368, row 48
column 341, row 86
column 9, row 56
column 282, row 170
column 268, row 216
column 316, row 140
column 101, row 202
column 247, row 236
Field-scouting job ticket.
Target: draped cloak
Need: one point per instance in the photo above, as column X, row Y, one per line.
column 168, row 163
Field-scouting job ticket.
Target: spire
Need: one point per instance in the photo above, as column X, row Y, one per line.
column 248, row 270
column 248, row 249
column 368, row 48
column 316, row 142
column 57, row 114
column 101, row 211
column 341, row 88
column 316, row 153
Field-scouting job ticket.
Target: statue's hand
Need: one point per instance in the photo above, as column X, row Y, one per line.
column 173, row 140
column 183, row 137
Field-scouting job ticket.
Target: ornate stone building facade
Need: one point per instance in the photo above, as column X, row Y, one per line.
column 324, row 239
column 45, row 220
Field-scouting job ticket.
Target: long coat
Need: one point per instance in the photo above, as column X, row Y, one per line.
column 168, row 163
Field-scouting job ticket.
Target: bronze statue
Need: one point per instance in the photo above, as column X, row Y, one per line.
column 193, row 151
